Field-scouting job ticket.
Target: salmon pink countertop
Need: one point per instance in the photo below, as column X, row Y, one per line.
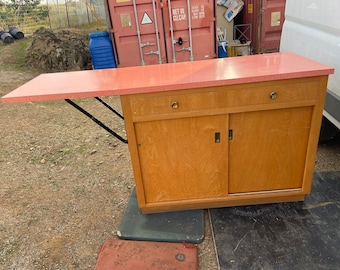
column 166, row 77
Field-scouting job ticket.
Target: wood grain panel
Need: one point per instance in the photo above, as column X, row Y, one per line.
column 157, row 104
column 252, row 95
column 180, row 159
column 268, row 149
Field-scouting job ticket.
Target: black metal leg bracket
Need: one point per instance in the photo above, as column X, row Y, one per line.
column 101, row 124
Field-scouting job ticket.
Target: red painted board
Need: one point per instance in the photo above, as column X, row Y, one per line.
column 167, row 77
column 124, row 255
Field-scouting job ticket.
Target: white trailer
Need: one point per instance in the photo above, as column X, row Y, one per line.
column 312, row 29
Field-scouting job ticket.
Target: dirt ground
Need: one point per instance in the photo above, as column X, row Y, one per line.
column 65, row 182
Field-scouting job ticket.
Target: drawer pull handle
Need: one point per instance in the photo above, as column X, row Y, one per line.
column 174, row 105
column 273, row 95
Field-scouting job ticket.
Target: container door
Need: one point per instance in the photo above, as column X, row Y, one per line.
column 273, row 12
column 266, row 18
column 148, row 32
column 138, row 32
column 190, row 30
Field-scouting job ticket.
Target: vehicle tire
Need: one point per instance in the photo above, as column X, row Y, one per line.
column 327, row 131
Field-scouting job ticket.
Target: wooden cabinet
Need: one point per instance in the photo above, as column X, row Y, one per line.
column 225, row 145
column 212, row 133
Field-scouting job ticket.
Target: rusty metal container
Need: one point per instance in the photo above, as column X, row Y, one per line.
column 266, row 18
column 148, row 32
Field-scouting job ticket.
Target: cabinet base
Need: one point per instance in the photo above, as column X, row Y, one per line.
column 219, row 202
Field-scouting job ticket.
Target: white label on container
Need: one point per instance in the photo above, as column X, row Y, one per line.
column 178, row 14
column 146, row 19
column 197, row 12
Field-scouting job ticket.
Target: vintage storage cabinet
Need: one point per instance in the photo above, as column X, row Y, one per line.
column 213, row 133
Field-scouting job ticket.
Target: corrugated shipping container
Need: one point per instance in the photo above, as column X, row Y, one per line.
column 266, row 17
column 148, row 32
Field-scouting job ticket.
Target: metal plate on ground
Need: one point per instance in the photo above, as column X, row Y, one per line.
column 300, row 235
column 181, row 226
column 123, row 255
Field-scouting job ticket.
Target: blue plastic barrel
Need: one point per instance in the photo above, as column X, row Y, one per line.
column 101, row 51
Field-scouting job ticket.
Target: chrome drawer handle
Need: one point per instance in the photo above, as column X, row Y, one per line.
column 273, row 95
column 174, row 105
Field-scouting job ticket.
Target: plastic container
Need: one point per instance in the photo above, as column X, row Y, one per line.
column 222, row 49
column 6, row 37
column 16, row 33
column 101, row 51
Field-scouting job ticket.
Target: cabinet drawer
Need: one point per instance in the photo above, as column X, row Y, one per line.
column 160, row 104
column 269, row 94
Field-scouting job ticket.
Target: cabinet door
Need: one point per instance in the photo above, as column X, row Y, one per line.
column 184, row 158
column 267, row 150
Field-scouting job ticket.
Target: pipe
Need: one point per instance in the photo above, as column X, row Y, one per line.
column 138, row 33
column 190, row 34
column 156, row 32
column 172, row 34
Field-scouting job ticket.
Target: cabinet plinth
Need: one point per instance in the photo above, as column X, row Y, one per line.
column 222, row 146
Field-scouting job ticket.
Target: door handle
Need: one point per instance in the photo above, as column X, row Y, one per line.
column 230, row 134
column 217, row 137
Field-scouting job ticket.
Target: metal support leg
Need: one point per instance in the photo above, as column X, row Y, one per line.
column 96, row 120
column 109, row 107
